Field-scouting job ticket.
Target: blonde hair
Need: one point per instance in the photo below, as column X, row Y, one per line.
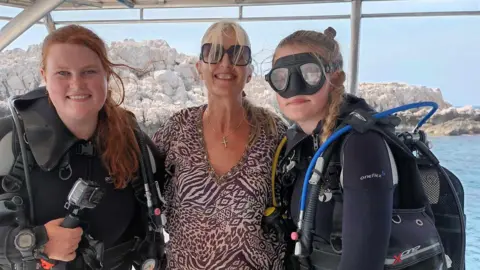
column 218, row 30
column 323, row 44
column 261, row 119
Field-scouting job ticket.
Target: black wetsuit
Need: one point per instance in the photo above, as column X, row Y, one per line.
column 116, row 220
column 368, row 188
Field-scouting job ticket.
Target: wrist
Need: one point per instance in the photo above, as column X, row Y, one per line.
column 42, row 239
column 40, row 235
column 39, row 250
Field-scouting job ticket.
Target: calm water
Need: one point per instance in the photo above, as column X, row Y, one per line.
column 461, row 155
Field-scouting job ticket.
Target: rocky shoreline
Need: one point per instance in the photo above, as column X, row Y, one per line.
column 166, row 81
column 446, row 122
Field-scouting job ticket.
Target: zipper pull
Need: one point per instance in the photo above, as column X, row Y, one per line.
column 291, row 163
column 315, row 142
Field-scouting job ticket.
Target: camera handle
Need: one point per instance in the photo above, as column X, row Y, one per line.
column 71, row 220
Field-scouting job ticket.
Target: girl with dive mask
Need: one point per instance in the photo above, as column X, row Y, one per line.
column 307, row 76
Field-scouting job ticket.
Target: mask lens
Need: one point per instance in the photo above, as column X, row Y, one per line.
column 212, row 54
column 312, row 73
column 279, row 78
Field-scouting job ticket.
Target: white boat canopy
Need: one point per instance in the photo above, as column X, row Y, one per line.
column 38, row 12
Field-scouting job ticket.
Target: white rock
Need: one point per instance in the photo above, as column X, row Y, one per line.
column 164, row 81
column 166, row 77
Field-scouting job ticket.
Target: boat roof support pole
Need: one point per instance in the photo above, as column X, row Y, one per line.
column 25, row 19
column 49, row 23
column 355, row 20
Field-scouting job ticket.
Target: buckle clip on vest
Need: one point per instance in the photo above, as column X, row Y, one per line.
column 84, row 194
column 272, row 219
column 85, row 149
column 12, row 210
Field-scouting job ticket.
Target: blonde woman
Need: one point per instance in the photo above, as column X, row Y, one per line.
column 221, row 154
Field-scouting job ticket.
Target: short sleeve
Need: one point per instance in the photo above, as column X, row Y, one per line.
column 164, row 135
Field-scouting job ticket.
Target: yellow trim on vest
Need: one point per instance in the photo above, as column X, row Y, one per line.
column 274, row 168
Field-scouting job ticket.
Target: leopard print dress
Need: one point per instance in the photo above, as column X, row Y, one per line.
column 216, row 224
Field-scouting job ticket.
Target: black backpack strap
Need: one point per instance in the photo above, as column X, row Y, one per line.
column 334, row 172
column 337, row 217
column 15, row 179
column 286, row 182
column 332, row 183
column 154, row 240
column 139, row 190
column 144, row 187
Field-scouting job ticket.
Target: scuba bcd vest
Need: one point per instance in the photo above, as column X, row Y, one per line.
column 428, row 221
column 49, row 154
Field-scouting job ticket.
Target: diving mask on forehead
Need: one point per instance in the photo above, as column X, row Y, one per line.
column 299, row 74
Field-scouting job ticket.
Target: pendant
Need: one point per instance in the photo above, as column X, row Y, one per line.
column 224, row 141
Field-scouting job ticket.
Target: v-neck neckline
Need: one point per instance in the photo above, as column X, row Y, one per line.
column 219, row 179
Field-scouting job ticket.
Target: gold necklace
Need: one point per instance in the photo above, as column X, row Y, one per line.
column 224, row 137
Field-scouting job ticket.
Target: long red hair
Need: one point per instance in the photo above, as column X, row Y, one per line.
column 115, row 130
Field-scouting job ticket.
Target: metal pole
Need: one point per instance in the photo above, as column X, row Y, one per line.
column 196, row 20
column 28, row 17
column 86, row 5
column 355, row 20
column 240, row 12
column 49, row 23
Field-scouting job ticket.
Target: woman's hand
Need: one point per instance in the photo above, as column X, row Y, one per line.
column 62, row 242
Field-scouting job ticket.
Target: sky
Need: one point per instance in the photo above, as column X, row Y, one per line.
column 437, row 52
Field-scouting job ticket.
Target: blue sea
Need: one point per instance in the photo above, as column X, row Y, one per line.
column 461, row 155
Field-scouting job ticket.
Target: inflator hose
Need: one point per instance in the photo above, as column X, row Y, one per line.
column 276, row 157
column 146, row 175
column 306, row 239
column 152, row 249
column 308, row 225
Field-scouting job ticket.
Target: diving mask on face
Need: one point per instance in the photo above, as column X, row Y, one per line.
column 299, row 74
